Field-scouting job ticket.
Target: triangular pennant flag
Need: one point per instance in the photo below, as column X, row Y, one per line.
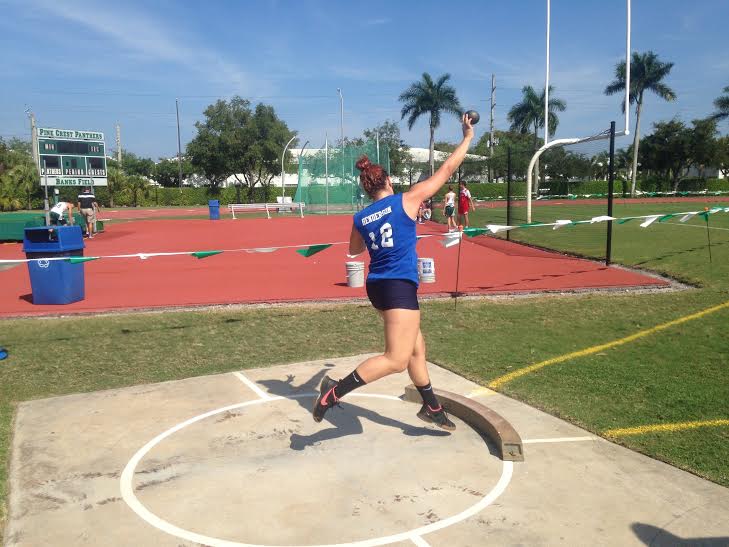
column 262, row 250
column 560, row 223
column 451, row 239
column 688, row 216
column 473, row 232
column 205, row 254
column 626, row 219
column 81, row 259
column 650, row 220
column 313, row 249
column 714, row 210
column 603, row 218
column 664, row 218
column 496, row 228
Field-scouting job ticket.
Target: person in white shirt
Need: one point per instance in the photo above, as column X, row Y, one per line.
column 449, row 208
column 57, row 213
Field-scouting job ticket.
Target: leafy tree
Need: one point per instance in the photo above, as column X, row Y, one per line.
column 646, row 74
column 722, row 106
column 521, row 151
column 389, row 134
column 528, row 115
column 25, row 178
column 668, row 151
column 136, row 185
column 722, row 155
column 136, row 165
column 167, row 172
column 431, row 98
column 704, row 146
column 18, row 174
column 236, row 141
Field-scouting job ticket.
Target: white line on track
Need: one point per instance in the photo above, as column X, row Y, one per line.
column 257, row 390
column 559, row 440
column 127, row 490
column 695, row 226
column 420, row 542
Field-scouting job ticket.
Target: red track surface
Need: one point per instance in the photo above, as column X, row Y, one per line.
column 489, row 266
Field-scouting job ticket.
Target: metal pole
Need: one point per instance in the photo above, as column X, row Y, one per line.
column 508, row 192
column 491, row 130
column 326, row 169
column 34, row 140
column 611, row 183
column 118, row 144
column 546, row 80
column 627, row 71
column 341, row 122
column 46, row 208
column 377, row 137
column 283, row 174
column 179, row 143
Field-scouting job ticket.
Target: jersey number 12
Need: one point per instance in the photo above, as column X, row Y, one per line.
column 385, row 237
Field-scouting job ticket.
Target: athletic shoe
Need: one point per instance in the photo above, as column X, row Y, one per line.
column 437, row 417
column 326, row 398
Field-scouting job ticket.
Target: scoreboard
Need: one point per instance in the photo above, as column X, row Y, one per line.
column 71, row 158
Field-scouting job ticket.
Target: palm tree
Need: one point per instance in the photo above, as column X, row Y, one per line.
column 646, row 74
column 25, row 177
column 529, row 114
column 431, row 98
column 116, row 181
column 722, row 106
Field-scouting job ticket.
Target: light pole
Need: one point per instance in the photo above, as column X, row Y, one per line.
column 341, row 118
column 283, row 173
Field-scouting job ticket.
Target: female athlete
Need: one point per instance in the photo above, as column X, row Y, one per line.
column 386, row 228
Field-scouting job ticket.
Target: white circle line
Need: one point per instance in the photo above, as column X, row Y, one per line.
column 127, row 490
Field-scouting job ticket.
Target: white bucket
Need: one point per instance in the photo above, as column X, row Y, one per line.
column 355, row 274
column 426, row 270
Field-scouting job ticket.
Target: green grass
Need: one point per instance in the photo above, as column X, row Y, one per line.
column 678, row 374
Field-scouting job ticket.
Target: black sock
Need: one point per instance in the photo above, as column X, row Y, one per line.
column 429, row 398
column 349, row 383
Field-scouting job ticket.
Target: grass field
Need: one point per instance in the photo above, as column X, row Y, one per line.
column 677, row 374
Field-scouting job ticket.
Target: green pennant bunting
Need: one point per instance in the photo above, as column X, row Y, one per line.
column 624, row 220
column 81, row 259
column 704, row 214
column 473, row 232
column 666, row 217
column 205, row 254
column 313, row 249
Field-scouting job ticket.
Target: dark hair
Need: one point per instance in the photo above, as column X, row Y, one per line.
column 462, row 182
column 450, row 188
column 373, row 177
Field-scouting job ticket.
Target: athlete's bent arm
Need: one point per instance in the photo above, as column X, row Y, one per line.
column 356, row 243
column 429, row 187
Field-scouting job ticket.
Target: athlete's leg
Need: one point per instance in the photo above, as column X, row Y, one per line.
column 401, row 332
column 417, row 369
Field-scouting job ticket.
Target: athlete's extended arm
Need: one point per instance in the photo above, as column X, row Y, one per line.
column 356, row 243
column 429, row 187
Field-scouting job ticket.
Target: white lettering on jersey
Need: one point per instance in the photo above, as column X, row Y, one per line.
column 376, row 216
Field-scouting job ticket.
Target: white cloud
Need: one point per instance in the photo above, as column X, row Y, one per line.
column 146, row 39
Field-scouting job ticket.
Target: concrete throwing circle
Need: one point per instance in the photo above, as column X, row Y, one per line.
column 127, row 489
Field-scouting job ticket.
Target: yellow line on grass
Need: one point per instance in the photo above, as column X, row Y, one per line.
column 501, row 380
column 678, row 426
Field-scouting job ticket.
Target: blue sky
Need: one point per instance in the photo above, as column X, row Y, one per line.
column 84, row 65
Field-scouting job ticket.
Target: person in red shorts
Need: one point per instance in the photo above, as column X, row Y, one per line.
column 465, row 204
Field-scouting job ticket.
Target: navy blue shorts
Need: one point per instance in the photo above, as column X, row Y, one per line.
column 392, row 294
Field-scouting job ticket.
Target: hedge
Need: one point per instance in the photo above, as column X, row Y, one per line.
column 165, row 197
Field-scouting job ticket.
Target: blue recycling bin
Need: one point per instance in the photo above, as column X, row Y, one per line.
column 55, row 281
column 214, row 206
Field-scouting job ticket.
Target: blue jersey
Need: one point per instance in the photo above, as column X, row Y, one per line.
column 389, row 234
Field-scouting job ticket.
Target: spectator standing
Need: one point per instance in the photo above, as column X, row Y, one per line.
column 465, row 204
column 89, row 207
column 449, row 209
